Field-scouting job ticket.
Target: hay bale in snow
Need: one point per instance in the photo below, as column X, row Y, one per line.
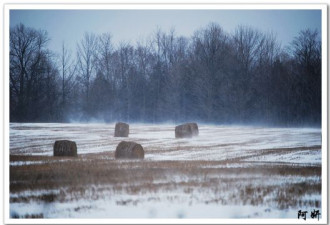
column 129, row 150
column 194, row 128
column 121, row 129
column 186, row 130
column 65, row 148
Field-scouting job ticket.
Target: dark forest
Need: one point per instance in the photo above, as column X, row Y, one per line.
column 244, row 77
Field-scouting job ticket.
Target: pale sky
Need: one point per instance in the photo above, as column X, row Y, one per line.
column 134, row 25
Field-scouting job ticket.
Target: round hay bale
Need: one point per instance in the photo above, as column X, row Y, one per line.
column 121, row 129
column 194, row 128
column 65, row 148
column 129, row 150
column 186, row 130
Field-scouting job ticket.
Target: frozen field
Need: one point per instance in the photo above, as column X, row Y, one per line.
column 225, row 172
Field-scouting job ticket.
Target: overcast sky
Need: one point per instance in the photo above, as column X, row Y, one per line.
column 134, row 25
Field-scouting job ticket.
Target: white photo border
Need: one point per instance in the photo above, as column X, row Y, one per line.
column 193, row 5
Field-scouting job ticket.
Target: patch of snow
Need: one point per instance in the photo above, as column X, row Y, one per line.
column 109, row 209
column 34, row 193
column 213, row 142
column 26, row 163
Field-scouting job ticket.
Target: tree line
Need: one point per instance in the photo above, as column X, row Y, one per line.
column 212, row 77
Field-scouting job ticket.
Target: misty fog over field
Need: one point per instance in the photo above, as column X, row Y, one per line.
column 248, row 81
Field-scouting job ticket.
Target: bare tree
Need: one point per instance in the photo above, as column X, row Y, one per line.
column 306, row 50
column 246, row 47
column 246, row 44
column 144, row 62
column 105, row 51
column 106, row 72
column 210, row 53
column 26, row 50
column 86, row 58
column 125, row 62
column 68, row 69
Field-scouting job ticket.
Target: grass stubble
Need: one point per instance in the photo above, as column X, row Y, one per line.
column 95, row 176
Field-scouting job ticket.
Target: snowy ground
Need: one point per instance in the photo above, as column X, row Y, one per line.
column 225, row 172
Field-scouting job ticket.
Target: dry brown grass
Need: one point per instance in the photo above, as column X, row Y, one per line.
column 247, row 183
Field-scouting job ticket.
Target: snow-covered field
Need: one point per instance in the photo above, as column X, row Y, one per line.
column 225, row 172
